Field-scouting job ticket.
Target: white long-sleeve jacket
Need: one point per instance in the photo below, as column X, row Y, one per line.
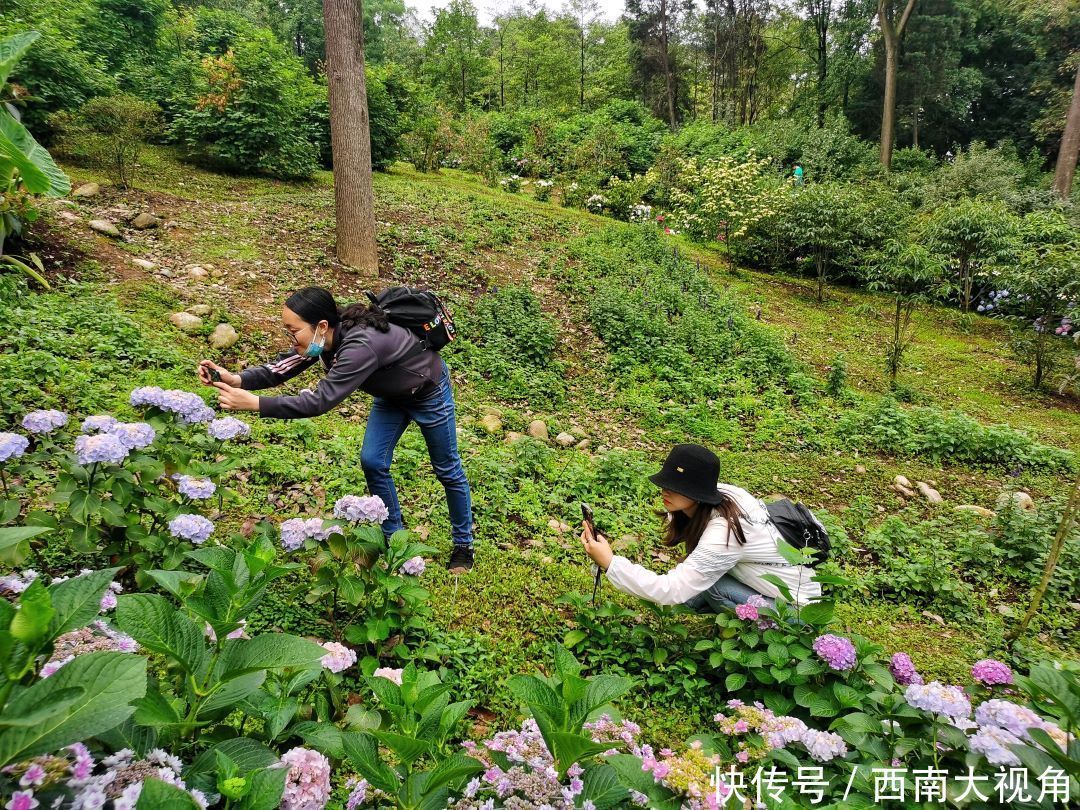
column 718, row 554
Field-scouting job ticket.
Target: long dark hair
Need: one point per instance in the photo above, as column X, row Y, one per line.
column 315, row 304
column 683, row 528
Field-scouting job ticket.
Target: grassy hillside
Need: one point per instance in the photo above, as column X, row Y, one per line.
column 611, row 334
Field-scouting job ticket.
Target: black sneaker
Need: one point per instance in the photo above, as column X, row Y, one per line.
column 461, row 560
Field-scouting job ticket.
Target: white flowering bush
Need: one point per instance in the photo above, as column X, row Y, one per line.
column 542, row 189
column 512, row 183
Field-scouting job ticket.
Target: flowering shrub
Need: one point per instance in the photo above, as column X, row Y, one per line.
column 542, row 190
column 511, row 184
column 595, row 203
column 356, row 569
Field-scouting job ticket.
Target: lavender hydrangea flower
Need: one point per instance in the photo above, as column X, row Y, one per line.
column 12, row 445
column 937, row 698
column 100, row 447
column 1010, row 716
column 194, row 528
column 989, row 672
column 98, row 424
column 389, row 673
column 413, row 567
column 45, row 421
column 307, row 786
column 147, row 395
column 780, row 731
column 365, row 509
column 903, row 670
column 358, row 793
column 133, row 435
column 836, row 651
column 338, row 657
column 297, row 530
column 228, row 427
column 196, row 489
column 992, row 742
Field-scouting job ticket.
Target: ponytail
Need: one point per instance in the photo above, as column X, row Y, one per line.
column 362, row 315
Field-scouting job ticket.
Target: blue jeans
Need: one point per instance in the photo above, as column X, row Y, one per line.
column 726, row 592
column 436, row 417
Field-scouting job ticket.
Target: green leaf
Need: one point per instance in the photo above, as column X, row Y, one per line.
column 111, row 681
column 535, row 694
column 248, row 754
column 823, row 705
column 735, row 681
column 603, row 788
column 809, row 667
column 601, row 690
column 818, row 613
column 267, row 785
column 879, row 675
column 859, row 722
column 574, row 637
column 157, row 795
column 11, row 50
column 57, row 703
column 569, row 748
column 14, row 541
column 180, row 584
column 848, row 698
column 453, row 769
column 363, row 753
column 322, row 737
column 30, row 624
column 154, row 710
column 231, row 692
column 407, row 749
column 778, row 703
column 269, row 651
column 161, row 628
column 77, row 601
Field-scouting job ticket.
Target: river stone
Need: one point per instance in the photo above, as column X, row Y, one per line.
column 583, row 444
column 929, row 492
column 185, row 321
column 902, row 481
column 860, row 469
column 1020, row 499
column 513, row 436
column 491, row 423
column 145, row 264
column 202, row 310
column 196, row 273
column 223, row 336
column 565, row 439
column 982, row 511
column 86, row 190
column 144, row 221
column 538, row 429
column 907, row 493
column 103, row 226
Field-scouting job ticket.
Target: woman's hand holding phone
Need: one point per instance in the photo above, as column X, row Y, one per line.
column 210, row 373
column 596, row 545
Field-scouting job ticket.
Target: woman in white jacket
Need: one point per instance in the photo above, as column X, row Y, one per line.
column 730, row 543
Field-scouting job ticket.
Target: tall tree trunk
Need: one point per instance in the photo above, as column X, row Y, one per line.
column 350, row 136
column 582, row 27
column 1070, row 145
column 822, row 12
column 669, row 83
column 890, row 34
column 915, row 124
column 715, row 68
column 502, row 75
column 463, row 93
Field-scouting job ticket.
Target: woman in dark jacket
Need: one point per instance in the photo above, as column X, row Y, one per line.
column 360, row 349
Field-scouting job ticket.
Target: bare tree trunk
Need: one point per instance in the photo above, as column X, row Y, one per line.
column 350, row 136
column 1070, row 145
column 582, row 28
column 915, row 125
column 669, row 84
column 890, row 35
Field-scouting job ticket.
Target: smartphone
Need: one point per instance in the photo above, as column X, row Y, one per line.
column 215, row 375
column 587, row 516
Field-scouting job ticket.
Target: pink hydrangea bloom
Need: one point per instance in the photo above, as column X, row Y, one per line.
column 307, row 786
column 989, row 672
column 389, row 673
column 338, row 657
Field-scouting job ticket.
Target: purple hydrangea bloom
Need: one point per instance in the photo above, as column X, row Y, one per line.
column 195, row 488
column 12, row 445
column 228, row 427
column 836, row 651
column 823, row 746
column 100, row 447
column 746, row 612
column 98, row 424
column 358, row 791
column 133, row 435
column 338, row 657
column 194, row 528
column 296, row 530
column 44, row 421
column 937, row 698
column 989, row 672
column 357, row 509
column 1010, row 716
column 903, row 669
column 147, row 395
column 414, row 567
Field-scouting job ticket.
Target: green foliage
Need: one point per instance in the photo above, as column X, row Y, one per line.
column 108, row 132
column 948, row 437
column 248, row 110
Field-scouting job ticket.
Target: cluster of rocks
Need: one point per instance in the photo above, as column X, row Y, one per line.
column 906, row 489
column 492, row 424
column 105, row 223
column 190, row 320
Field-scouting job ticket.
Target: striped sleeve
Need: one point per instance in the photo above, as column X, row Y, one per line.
column 269, row 375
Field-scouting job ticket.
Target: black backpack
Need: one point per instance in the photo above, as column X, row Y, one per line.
column 798, row 526
column 422, row 312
